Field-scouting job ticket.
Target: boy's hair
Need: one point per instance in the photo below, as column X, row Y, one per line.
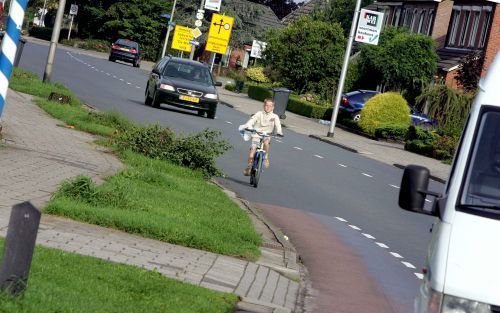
column 269, row 100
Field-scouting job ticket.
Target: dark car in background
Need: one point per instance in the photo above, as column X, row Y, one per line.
column 183, row 83
column 127, row 51
column 353, row 102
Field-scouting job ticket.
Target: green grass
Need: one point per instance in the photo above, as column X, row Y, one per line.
column 159, row 200
column 66, row 282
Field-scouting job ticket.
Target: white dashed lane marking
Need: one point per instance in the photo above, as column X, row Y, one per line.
column 319, row 156
column 229, row 122
column 129, row 83
column 354, row 227
column 297, row 148
column 368, row 236
column 367, row 175
column 396, row 255
column 279, row 140
column 382, row 245
column 342, row 165
column 419, row 275
column 428, row 200
column 394, row 186
column 407, row 264
column 138, row 87
column 340, row 219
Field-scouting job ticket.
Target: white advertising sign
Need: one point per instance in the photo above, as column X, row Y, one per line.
column 257, row 48
column 369, row 26
column 213, row 5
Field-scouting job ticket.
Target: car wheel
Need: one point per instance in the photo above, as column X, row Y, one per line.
column 148, row 101
column 156, row 102
column 211, row 114
column 356, row 116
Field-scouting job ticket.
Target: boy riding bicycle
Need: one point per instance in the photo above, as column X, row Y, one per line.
column 262, row 121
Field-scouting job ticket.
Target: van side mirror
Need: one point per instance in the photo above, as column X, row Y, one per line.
column 414, row 189
column 155, row 70
column 218, row 84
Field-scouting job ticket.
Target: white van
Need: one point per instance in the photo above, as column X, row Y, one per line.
column 462, row 269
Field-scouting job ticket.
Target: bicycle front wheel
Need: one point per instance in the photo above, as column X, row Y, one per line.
column 257, row 171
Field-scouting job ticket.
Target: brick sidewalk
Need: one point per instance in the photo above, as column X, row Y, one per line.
column 40, row 152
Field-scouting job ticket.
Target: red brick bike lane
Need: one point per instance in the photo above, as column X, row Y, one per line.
column 338, row 275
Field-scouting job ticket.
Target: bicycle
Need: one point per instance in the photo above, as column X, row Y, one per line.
column 258, row 158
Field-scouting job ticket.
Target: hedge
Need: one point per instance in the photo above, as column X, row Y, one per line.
column 45, row 33
column 295, row 105
column 392, row 131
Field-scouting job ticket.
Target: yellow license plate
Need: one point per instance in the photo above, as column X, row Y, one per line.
column 125, row 49
column 190, row 99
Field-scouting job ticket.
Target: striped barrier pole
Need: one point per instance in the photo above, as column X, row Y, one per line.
column 9, row 46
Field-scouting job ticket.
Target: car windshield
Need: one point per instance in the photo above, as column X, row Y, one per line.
column 482, row 185
column 189, row 72
column 126, row 43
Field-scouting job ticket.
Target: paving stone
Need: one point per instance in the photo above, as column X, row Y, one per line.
column 258, row 283
column 269, row 287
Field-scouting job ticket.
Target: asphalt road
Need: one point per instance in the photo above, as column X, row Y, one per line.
column 353, row 196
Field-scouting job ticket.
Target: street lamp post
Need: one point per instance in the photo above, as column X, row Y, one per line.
column 344, row 68
column 168, row 30
column 53, row 42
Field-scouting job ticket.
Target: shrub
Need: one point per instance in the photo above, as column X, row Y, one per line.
column 306, row 108
column 444, row 147
column 392, row 131
column 89, row 44
column 259, row 92
column 420, row 147
column 386, row 108
column 257, row 74
column 237, row 75
column 196, row 151
column 230, row 87
column 348, row 122
column 418, row 133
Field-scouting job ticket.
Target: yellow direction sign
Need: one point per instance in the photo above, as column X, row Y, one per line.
column 182, row 37
column 219, row 33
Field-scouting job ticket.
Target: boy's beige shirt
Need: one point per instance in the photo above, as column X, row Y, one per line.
column 265, row 122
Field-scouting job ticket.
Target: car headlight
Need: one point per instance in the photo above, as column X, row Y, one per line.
column 167, row 87
column 211, row 96
column 459, row 305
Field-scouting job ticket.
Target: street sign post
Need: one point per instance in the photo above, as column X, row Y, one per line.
column 72, row 12
column 257, row 48
column 219, row 33
column 196, row 32
column 182, row 37
column 369, row 27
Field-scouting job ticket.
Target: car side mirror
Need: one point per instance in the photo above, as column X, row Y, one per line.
column 218, row 84
column 414, row 190
column 155, row 71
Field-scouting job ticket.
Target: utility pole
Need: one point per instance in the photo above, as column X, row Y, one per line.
column 193, row 47
column 344, row 68
column 54, row 41
column 168, row 30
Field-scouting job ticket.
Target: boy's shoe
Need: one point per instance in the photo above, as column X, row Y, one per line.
column 266, row 163
column 247, row 170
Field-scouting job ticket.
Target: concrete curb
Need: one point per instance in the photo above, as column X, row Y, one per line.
column 440, row 180
column 334, row 143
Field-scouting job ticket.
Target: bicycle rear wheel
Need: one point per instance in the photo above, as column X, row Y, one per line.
column 257, row 171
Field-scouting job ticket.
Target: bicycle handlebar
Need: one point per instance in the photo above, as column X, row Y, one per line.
column 253, row 131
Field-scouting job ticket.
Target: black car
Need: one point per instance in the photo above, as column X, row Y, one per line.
column 126, row 50
column 182, row 83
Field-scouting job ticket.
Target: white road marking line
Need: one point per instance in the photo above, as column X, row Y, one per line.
column 229, row 122
column 138, row 87
column 367, row 175
column 129, row 83
column 121, row 79
column 397, row 187
column 340, row 219
column 108, row 74
column 382, row 245
column 354, row 227
column 341, row 165
column 396, row 255
column 428, row 200
column 102, row 71
column 278, row 140
column 298, row 148
column 419, row 275
column 407, row 264
column 114, row 76
column 319, row 156
column 368, row 236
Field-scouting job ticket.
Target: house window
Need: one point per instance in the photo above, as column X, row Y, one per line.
column 475, row 25
column 455, row 19
column 421, row 22
column 430, row 20
column 465, row 27
column 484, row 30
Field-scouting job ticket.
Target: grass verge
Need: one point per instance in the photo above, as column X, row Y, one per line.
column 66, row 282
column 153, row 198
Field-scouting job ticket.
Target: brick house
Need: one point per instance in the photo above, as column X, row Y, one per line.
column 459, row 27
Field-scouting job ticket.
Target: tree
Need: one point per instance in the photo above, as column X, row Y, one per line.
column 470, row 70
column 340, row 11
column 402, row 61
column 307, row 55
column 280, row 7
